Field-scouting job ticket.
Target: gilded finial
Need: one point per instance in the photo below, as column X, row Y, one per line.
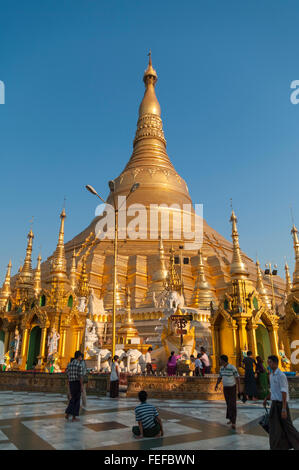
column 260, row 286
column 83, row 287
column 288, row 280
column 58, row 265
column 6, row 289
column 37, row 276
column 25, row 279
column 150, row 104
column 238, row 269
column 73, row 272
column 202, row 294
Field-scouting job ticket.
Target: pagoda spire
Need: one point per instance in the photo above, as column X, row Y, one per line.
column 202, row 294
column 83, row 287
column 127, row 329
column 173, row 282
column 58, row 266
column 37, row 276
column 288, row 280
column 25, row 279
column 294, row 232
column 261, row 288
column 238, row 269
column 6, row 289
column 73, row 275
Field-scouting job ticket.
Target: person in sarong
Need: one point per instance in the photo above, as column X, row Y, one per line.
column 171, row 364
column 114, row 378
column 231, row 385
column 262, row 378
column 250, row 382
column 282, row 433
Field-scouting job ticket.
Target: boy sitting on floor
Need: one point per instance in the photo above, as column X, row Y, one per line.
column 149, row 422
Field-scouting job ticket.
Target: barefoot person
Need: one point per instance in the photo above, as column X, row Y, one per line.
column 282, row 433
column 114, row 378
column 231, row 385
column 75, row 377
column 149, row 422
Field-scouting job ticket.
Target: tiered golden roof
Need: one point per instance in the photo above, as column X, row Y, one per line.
column 58, row 264
column 25, row 279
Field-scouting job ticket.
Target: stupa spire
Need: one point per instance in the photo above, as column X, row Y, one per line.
column 73, row 275
column 288, row 280
column 238, row 269
column 202, row 294
column 37, row 276
column 260, row 286
column 58, row 265
column 83, row 287
column 26, row 274
column 6, row 289
column 294, row 232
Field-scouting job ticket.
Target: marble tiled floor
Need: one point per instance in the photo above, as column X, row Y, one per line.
column 36, row 421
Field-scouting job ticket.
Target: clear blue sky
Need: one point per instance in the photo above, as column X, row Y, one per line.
column 73, row 74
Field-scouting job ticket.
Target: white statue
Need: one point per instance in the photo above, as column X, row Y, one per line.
column 82, row 304
column 91, row 338
column 174, row 300
column 121, row 357
column 135, row 361
column 53, row 342
column 95, row 305
column 104, row 357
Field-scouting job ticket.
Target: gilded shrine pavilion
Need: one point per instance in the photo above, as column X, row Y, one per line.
column 234, row 305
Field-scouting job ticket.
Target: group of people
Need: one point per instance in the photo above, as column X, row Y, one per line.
column 282, row 433
column 198, row 366
column 147, row 416
column 255, row 378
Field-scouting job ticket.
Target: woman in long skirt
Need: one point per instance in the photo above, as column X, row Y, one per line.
column 250, row 383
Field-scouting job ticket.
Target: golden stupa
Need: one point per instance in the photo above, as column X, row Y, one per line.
column 235, row 307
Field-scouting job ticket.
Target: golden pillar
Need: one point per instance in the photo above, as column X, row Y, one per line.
column 6, row 340
column 274, row 340
column 61, row 347
column 42, row 348
column 24, row 348
column 214, row 356
column 252, row 340
column 242, row 334
column 233, row 359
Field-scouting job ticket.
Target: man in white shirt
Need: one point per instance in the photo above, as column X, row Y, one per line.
column 148, row 361
column 282, row 433
column 231, row 384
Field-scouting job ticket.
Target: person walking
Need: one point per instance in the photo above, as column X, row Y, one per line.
column 205, row 361
column 148, row 361
column 114, row 378
column 74, row 372
column 231, row 385
column 149, row 421
column 198, row 366
column 250, row 383
column 282, row 433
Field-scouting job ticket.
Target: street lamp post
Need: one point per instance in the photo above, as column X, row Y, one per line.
column 116, row 210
